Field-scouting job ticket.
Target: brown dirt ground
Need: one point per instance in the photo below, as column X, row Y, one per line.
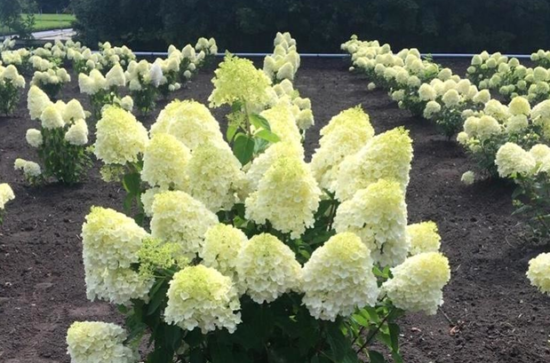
column 492, row 314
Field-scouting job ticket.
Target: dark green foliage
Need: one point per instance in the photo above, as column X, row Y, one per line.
column 321, row 26
column 18, row 16
column 53, row 6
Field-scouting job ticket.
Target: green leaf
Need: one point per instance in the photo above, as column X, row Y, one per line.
column 361, row 320
column 260, row 145
column 371, row 314
column 231, row 131
column 376, row 357
column 132, row 183
column 259, row 122
column 236, row 106
column 267, row 135
column 394, row 334
column 338, row 342
column 160, row 356
column 194, row 338
column 243, row 148
column 157, row 299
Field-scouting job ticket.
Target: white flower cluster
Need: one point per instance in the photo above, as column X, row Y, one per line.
column 214, row 176
column 70, row 117
column 120, row 138
column 190, row 122
column 141, row 75
column 287, row 197
column 338, row 278
column 6, row 194
column 510, row 78
column 179, row 218
column 164, row 162
column 284, row 93
column 208, row 46
column 17, row 57
column 285, row 61
column 512, row 159
column 539, row 272
column 202, row 297
column 344, row 135
column 377, row 214
column 267, row 268
column 424, row 237
column 30, row 169
column 418, row 282
column 52, row 77
column 264, row 161
column 222, row 244
column 10, row 75
column 92, row 342
column 110, row 245
column 385, row 156
column 111, row 55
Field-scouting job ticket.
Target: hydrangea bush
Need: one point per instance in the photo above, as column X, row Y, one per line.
column 48, row 75
column 262, row 259
column 105, row 90
column 61, row 140
column 10, row 84
column 530, row 170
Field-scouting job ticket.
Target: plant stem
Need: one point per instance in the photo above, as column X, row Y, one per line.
column 371, row 337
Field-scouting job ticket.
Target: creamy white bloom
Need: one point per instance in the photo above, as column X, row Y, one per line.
column 115, row 77
column 287, row 196
column 512, row 159
column 30, row 168
column 345, row 135
column 51, row 118
column 214, row 176
column 539, row 272
column 338, row 278
column 222, row 244
column 37, row 101
column 190, row 122
column 468, row 178
column 164, row 162
column 424, row 237
column 93, row 342
column 377, row 214
column 110, row 245
column 418, row 282
column 6, row 194
column 202, row 297
column 34, row 137
column 78, row 133
column 179, row 218
column 267, row 268
column 385, row 156
column 120, row 138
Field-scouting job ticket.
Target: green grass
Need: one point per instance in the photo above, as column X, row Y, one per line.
column 47, row 22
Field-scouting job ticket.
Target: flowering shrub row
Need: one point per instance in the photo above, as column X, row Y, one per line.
column 417, row 84
column 510, row 141
column 510, row 78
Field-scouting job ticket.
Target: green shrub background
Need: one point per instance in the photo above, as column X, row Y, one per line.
column 320, row 25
